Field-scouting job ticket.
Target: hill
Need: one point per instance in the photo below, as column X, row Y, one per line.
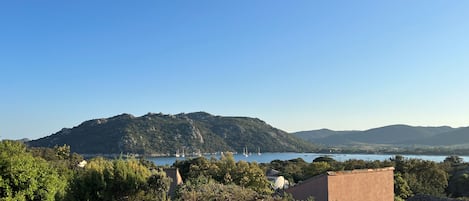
column 459, row 136
column 393, row 134
column 314, row 135
column 161, row 134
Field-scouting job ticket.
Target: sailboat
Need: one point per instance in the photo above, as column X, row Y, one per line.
column 245, row 152
column 259, row 151
column 183, row 155
column 177, row 154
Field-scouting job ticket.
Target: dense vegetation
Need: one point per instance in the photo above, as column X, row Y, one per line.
column 28, row 174
column 53, row 174
column 159, row 134
column 411, row 176
column 226, row 171
column 223, row 179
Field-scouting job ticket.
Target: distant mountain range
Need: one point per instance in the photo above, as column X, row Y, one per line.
column 160, row 134
column 393, row 135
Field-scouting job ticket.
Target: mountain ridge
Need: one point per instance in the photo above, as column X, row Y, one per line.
column 397, row 134
column 165, row 134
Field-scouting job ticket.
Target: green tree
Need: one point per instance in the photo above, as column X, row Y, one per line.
column 399, row 163
column 401, row 188
column 207, row 189
column 24, row 177
column 425, row 177
column 128, row 178
column 250, row 175
column 105, row 180
column 62, row 152
column 158, row 186
column 226, row 171
column 326, row 159
column 459, row 185
column 91, row 182
column 317, row 168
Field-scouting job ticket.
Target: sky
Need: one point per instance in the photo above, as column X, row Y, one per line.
column 298, row 65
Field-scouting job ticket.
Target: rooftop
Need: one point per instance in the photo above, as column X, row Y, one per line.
column 359, row 171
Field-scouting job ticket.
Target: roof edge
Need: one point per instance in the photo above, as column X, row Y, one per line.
column 359, row 171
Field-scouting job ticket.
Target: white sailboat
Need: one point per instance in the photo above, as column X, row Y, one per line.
column 259, row 151
column 245, row 152
column 183, row 155
column 177, row 154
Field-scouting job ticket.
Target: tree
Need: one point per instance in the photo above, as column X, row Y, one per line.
column 459, row 185
column 326, row 159
column 91, row 182
column 425, row 177
column 208, row 189
column 105, row 180
column 399, row 162
column 317, row 168
column 24, row 177
column 226, row 171
column 158, row 186
column 250, row 175
column 453, row 159
column 63, row 152
column 401, row 188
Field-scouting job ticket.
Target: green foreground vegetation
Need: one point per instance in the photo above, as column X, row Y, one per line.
column 28, row 174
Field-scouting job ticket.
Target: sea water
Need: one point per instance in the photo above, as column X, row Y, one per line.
column 308, row 157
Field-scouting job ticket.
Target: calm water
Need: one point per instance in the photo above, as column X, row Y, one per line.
column 308, row 157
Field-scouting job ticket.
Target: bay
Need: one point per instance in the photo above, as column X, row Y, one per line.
column 308, row 157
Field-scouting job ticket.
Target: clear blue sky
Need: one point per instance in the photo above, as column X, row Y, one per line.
column 298, row 65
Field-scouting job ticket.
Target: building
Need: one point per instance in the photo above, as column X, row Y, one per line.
column 354, row 185
column 176, row 180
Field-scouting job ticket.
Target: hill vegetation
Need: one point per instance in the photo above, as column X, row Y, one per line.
column 403, row 135
column 161, row 134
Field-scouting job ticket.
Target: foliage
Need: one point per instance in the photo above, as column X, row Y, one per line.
column 459, row 184
column 297, row 170
column 425, row 177
column 397, row 198
column 401, row 188
column 317, row 168
column 226, row 171
column 203, row 188
column 412, row 176
column 326, row 159
column 52, row 174
column 216, row 191
column 293, row 170
column 158, row 186
column 119, row 179
column 24, row 177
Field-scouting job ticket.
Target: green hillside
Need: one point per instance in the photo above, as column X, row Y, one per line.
column 156, row 134
column 393, row 134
